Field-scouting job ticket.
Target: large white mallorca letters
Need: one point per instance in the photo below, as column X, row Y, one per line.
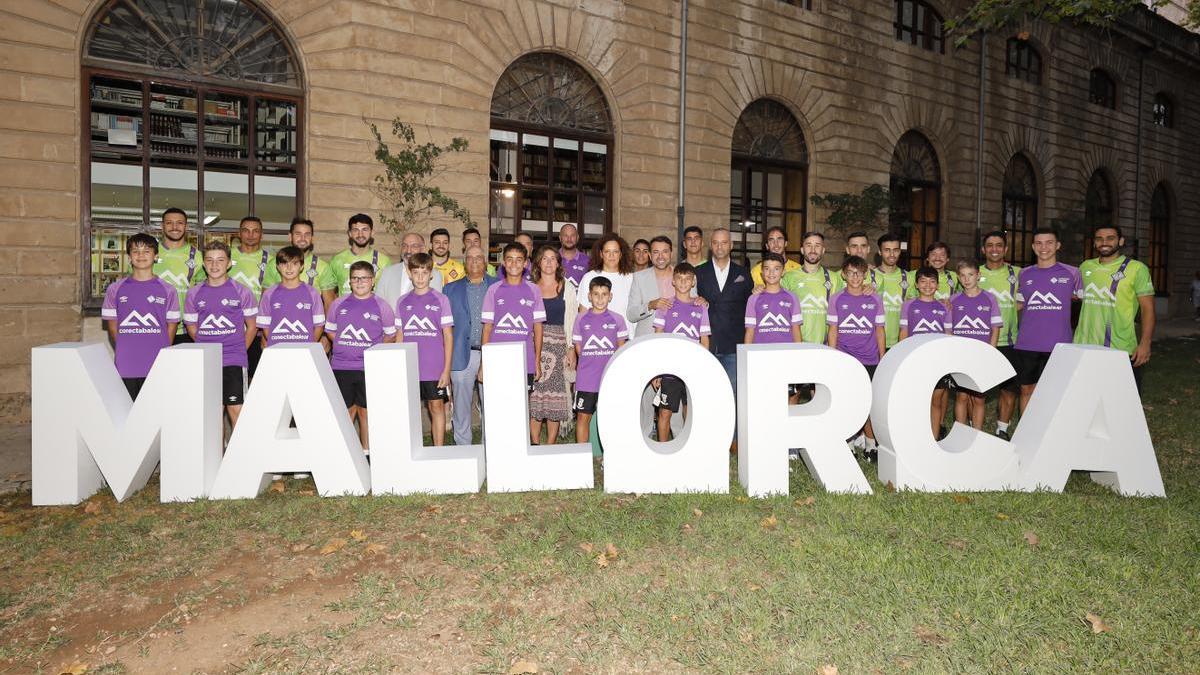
column 512, row 465
column 1086, row 415
column 87, row 430
column 768, row 426
column 911, row 457
column 697, row 460
column 400, row 462
column 293, row 381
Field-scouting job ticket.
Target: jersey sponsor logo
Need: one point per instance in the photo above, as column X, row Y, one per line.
column 928, row 326
column 598, row 343
column 812, row 303
column 419, row 324
column 176, row 280
column 512, row 322
column 774, row 320
column 892, row 299
column 251, row 281
column 1038, row 298
column 1099, row 295
column 216, row 325
column 138, row 323
column 971, row 323
column 354, row 336
column 1002, row 295
column 288, row 327
column 687, row 330
column 856, row 322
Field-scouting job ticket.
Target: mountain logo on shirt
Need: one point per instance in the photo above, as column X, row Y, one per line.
column 289, row 327
column 928, row 326
column 892, row 299
column 1003, row 295
column 598, row 342
column 512, row 322
column 812, row 302
column 971, row 322
column 773, row 320
column 216, row 322
column 252, row 282
column 351, row 332
column 1099, row 294
column 1040, row 298
column 857, row 322
column 176, row 280
column 419, row 323
column 688, row 330
column 138, row 320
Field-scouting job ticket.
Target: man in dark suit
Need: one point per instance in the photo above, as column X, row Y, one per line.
column 726, row 286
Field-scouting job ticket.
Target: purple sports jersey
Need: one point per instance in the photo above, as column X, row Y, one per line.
column 975, row 317
column 597, row 336
column 683, row 318
column 219, row 314
column 354, row 324
column 924, row 316
column 290, row 314
column 772, row 316
column 576, row 267
column 855, row 318
column 142, row 310
column 420, row 319
column 1046, row 294
column 512, row 309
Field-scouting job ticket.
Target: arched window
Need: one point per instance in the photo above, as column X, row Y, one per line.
column 1160, row 230
column 1098, row 205
column 191, row 104
column 918, row 23
column 768, row 178
column 1020, row 200
column 551, row 151
column 1102, row 89
column 916, row 189
column 1022, row 61
column 1164, row 110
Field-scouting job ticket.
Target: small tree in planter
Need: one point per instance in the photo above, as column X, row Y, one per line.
column 849, row 211
column 407, row 185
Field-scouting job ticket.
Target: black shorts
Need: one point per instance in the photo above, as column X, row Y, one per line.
column 182, row 338
column 1030, row 366
column 870, row 370
column 431, row 392
column 946, row 382
column 1013, row 383
column 672, row 393
column 233, row 385
column 353, row 385
column 253, row 355
column 133, row 385
column 585, row 402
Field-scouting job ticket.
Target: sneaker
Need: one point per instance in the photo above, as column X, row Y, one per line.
column 277, row 476
column 1002, row 434
column 793, row 454
column 301, row 476
column 872, row 455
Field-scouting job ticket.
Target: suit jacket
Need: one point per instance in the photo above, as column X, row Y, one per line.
column 644, row 289
column 456, row 293
column 726, row 307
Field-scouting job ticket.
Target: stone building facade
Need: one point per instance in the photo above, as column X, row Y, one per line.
column 857, row 79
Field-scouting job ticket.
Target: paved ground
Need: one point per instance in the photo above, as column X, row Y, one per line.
column 15, row 439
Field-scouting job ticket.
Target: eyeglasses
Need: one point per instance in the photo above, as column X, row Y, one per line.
column 359, row 279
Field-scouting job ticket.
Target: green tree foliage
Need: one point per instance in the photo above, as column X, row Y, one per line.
column 407, row 185
column 849, row 211
column 998, row 15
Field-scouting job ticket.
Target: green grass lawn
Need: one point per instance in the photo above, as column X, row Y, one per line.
column 892, row 582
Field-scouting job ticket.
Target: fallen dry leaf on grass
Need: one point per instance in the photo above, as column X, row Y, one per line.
column 333, row 546
column 433, row 508
column 611, row 551
column 376, row 549
column 1097, row 624
column 697, row 512
column 1031, row 538
column 75, row 669
column 523, row 668
column 742, row 499
column 827, row 669
column 586, row 547
column 958, row 544
column 686, row 527
column 889, row 486
column 92, row 507
column 962, row 499
column 307, row 492
column 807, row 501
column 769, row 522
column 358, row 535
column 602, row 560
column 928, row 635
column 296, row 548
column 278, row 486
column 1001, row 516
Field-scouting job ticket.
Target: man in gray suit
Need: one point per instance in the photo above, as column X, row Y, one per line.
column 652, row 287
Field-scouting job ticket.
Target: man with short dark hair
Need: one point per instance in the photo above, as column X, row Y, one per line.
column 471, row 237
column 891, row 285
column 998, row 277
column 178, row 263
column 693, row 246
column 813, row 285
column 360, row 233
column 652, row 288
column 251, row 266
column 1116, row 289
column 776, row 241
column 439, row 248
column 574, row 261
column 315, row 271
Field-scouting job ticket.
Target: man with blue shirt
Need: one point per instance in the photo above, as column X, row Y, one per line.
column 466, row 304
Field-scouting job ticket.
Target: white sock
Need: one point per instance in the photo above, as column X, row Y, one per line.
column 858, row 441
column 1001, row 426
column 870, row 443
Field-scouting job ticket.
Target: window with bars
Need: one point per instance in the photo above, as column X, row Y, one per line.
column 1022, row 61
column 1020, row 209
column 1102, row 89
column 182, row 109
column 1160, row 231
column 916, row 188
column 918, row 23
column 1164, row 111
column 551, row 152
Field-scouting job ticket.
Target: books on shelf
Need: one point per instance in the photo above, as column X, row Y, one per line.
column 101, row 121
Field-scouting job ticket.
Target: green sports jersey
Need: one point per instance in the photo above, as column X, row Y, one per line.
column 1108, row 312
column 947, row 286
column 255, row 270
column 891, row 288
column 813, row 290
column 1002, row 284
column 182, row 268
column 340, row 264
column 317, row 272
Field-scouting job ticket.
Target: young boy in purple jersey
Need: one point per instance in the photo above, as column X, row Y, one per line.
column 1045, row 291
column 423, row 317
column 688, row 320
column 856, row 326
column 141, row 312
column 513, row 312
column 222, row 311
column 355, row 323
column 973, row 314
column 926, row 314
column 291, row 310
column 597, row 335
column 774, row 315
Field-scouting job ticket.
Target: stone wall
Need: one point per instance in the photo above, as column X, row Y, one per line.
column 837, row 67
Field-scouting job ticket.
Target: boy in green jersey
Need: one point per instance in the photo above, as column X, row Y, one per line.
column 1116, row 289
column 813, row 285
column 316, row 271
column 999, row 278
column 360, row 231
column 178, row 263
column 891, row 285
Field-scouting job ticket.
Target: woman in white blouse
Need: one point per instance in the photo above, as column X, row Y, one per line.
column 611, row 258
